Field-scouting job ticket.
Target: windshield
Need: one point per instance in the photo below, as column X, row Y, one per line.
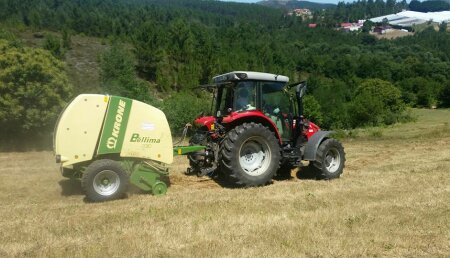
column 245, row 95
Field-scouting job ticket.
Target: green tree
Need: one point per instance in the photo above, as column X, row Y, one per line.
column 376, row 102
column 421, row 91
column 312, row 109
column 53, row 44
column 66, row 39
column 118, row 75
column 367, row 26
column 444, row 96
column 33, row 90
column 183, row 108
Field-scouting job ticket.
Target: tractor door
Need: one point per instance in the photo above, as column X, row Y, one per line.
column 224, row 100
column 278, row 106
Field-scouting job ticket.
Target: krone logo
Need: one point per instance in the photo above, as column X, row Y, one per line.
column 112, row 140
column 111, row 143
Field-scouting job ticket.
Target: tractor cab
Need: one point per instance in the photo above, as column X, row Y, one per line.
column 257, row 97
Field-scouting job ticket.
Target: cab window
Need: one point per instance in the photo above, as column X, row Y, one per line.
column 245, row 96
column 277, row 105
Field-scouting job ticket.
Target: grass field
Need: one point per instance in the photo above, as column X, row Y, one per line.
column 392, row 200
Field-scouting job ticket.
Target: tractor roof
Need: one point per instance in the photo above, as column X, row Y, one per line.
column 244, row 75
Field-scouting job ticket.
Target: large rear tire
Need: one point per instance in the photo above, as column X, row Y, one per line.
column 104, row 180
column 330, row 160
column 249, row 155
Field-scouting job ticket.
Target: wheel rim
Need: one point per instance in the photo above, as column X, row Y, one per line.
column 332, row 160
column 106, row 182
column 254, row 156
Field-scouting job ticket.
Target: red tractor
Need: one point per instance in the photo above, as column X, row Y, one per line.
column 258, row 130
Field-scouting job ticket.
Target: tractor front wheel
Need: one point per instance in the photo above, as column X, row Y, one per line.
column 249, row 155
column 330, row 160
column 104, row 180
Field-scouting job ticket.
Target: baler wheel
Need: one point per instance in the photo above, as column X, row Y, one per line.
column 249, row 155
column 159, row 188
column 104, row 180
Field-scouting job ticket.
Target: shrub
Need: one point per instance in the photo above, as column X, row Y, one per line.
column 312, row 109
column 182, row 108
column 376, row 102
column 445, row 95
column 53, row 44
column 118, row 75
column 33, row 90
column 331, row 95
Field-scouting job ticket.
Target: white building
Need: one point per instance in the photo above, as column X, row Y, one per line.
column 409, row 18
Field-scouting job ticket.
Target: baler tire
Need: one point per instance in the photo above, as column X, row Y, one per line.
column 330, row 160
column 96, row 181
column 236, row 155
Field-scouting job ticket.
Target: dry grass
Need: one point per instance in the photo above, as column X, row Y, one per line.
column 393, row 200
column 392, row 34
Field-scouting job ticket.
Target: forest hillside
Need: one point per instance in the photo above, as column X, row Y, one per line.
column 159, row 51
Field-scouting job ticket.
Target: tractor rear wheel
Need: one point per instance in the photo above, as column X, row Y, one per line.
column 330, row 160
column 249, row 155
column 104, row 180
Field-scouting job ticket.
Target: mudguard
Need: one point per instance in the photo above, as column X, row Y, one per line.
column 313, row 144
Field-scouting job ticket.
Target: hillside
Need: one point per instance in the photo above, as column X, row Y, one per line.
column 170, row 47
column 295, row 4
column 82, row 60
column 392, row 200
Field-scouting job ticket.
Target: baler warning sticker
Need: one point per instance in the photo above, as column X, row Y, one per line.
column 115, row 125
column 148, row 126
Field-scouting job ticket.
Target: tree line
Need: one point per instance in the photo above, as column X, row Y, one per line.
column 179, row 44
column 429, row 6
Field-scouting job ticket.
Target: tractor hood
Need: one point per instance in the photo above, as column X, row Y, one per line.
column 205, row 121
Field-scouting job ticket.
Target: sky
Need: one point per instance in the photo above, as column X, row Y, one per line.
column 317, row 1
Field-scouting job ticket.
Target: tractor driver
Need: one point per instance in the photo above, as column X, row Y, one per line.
column 244, row 99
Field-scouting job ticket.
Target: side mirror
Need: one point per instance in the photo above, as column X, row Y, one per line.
column 301, row 89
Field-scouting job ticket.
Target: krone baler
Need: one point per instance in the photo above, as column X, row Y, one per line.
column 109, row 141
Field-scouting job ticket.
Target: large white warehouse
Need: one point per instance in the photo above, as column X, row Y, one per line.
column 409, row 18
